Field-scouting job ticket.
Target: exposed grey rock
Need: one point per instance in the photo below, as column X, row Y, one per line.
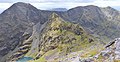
column 106, row 52
column 77, row 59
column 117, row 49
column 111, row 52
column 86, row 60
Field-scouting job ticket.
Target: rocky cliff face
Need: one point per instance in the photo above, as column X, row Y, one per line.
column 111, row 52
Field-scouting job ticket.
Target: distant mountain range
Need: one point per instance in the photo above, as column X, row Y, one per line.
column 58, row 9
column 17, row 25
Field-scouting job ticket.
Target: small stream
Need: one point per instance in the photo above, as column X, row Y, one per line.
column 24, row 59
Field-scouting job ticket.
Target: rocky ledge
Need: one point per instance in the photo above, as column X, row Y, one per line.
column 111, row 53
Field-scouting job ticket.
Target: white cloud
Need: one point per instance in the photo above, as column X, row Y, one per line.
column 13, row 1
column 4, row 6
column 104, row 3
column 56, row 1
column 48, row 4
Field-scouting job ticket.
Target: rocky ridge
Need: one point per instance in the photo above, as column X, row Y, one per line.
column 56, row 36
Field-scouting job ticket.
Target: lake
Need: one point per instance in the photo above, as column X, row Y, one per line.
column 24, row 59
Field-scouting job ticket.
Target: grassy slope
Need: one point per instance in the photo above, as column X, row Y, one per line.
column 64, row 37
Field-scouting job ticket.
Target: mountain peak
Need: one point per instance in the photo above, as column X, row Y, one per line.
column 54, row 15
column 55, row 20
column 20, row 3
column 21, row 6
column 109, row 8
column 91, row 6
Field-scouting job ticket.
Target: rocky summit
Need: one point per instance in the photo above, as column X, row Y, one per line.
column 80, row 34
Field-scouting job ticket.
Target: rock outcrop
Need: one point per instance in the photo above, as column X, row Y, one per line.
column 111, row 53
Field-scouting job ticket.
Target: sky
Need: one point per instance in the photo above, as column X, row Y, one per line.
column 49, row 4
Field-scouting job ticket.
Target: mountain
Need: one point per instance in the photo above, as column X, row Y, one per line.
column 17, row 19
column 58, row 9
column 55, row 39
column 23, row 23
column 101, row 22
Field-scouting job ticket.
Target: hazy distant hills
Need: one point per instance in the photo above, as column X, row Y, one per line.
column 58, row 9
column 19, row 19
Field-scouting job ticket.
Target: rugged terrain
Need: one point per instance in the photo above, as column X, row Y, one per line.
column 26, row 28
column 110, row 53
column 101, row 22
column 54, row 40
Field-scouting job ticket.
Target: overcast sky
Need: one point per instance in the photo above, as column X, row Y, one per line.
column 48, row 4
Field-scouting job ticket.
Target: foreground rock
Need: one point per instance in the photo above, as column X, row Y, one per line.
column 111, row 53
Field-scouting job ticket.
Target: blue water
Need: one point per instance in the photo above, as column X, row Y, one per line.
column 24, row 59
